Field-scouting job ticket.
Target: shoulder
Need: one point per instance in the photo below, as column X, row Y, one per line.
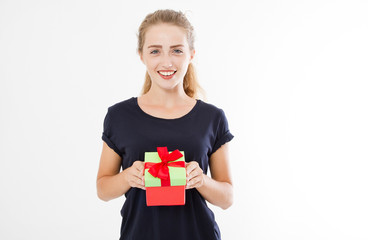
column 122, row 111
column 211, row 110
column 123, row 106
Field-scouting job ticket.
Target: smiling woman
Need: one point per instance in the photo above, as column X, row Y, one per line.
column 168, row 113
column 177, row 19
column 167, row 55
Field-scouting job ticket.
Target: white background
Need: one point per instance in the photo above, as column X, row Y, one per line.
column 291, row 77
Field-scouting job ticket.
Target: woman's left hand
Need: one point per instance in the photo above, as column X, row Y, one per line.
column 195, row 176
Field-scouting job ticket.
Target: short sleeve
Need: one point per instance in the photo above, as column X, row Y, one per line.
column 223, row 134
column 108, row 133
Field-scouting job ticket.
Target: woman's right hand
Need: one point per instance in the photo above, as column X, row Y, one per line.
column 135, row 175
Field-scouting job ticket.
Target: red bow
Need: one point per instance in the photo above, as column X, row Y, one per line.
column 161, row 169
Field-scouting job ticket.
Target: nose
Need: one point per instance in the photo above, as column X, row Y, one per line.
column 166, row 61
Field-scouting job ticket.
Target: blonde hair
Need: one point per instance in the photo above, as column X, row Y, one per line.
column 190, row 82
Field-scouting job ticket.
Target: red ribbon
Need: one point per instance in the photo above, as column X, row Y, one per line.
column 161, row 169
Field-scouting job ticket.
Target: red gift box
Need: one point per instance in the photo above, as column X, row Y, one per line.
column 165, row 177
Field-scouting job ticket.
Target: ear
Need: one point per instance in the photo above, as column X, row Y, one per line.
column 192, row 53
column 141, row 56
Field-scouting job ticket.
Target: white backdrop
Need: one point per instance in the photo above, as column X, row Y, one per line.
column 291, row 77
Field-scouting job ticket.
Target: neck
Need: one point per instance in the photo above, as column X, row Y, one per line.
column 159, row 96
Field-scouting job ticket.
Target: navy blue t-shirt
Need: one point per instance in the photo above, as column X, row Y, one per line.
column 131, row 132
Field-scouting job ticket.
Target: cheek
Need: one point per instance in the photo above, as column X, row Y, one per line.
column 151, row 64
column 182, row 62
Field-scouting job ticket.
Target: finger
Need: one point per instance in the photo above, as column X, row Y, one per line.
column 140, row 167
column 138, row 164
column 190, row 175
column 190, row 185
column 141, row 174
column 140, row 183
column 141, row 187
column 190, row 167
column 138, row 171
column 136, row 181
column 195, row 182
column 196, row 172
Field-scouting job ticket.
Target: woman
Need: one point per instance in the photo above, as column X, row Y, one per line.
column 166, row 114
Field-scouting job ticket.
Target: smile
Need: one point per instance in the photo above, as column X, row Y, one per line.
column 166, row 74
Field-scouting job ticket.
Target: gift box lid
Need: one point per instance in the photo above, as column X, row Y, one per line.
column 177, row 174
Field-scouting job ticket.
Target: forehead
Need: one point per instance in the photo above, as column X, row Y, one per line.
column 165, row 34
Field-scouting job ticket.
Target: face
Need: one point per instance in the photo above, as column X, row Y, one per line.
column 166, row 55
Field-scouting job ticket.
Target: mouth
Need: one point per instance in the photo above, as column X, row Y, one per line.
column 166, row 74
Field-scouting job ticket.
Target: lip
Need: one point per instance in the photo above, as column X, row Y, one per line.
column 166, row 77
column 167, row 70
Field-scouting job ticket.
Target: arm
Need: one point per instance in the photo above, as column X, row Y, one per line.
column 111, row 183
column 217, row 190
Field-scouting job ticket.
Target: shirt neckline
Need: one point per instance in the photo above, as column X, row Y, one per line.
column 135, row 99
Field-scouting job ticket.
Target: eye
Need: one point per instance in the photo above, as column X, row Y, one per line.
column 178, row 51
column 154, row 51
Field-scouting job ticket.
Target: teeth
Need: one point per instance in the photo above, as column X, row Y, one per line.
column 167, row 73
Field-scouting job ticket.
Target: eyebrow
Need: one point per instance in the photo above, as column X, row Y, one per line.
column 160, row 46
